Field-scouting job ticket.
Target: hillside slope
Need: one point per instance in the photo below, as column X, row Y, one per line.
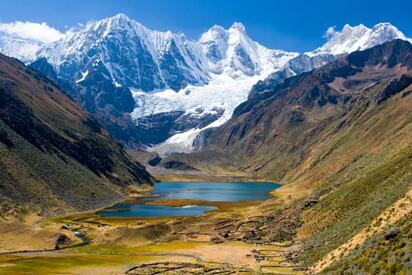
column 54, row 157
column 282, row 128
column 337, row 137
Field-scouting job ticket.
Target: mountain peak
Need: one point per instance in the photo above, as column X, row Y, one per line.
column 214, row 33
column 384, row 25
column 238, row 26
column 116, row 21
column 347, row 28
column 388, row 30
column 360, row 37
column 121, row 17
column 217, row 28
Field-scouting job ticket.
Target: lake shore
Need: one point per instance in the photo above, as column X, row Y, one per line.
column 157, row 239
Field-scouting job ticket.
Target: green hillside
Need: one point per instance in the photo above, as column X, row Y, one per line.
column 54, row 157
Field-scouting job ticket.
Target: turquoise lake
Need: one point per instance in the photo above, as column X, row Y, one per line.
column 205, row 191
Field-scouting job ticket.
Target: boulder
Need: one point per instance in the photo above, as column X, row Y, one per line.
column 391, row 233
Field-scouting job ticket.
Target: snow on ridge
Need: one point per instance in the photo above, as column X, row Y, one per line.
column 215, row 71
column 355, row 38
column 22, row 49
column 232, row 52
column 349, row 39
column 22, row 40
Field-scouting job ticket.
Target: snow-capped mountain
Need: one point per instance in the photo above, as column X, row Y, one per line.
column 192, row 83
column 348, row 40
column 215, row 44
column 357, row 38
column 233, row 53
column 20, row 48
column 23, row 40
column 234, row 63
column 163, row 88
column 133, row 55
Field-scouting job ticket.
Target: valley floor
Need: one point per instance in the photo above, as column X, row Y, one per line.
column 218, row 243
column 249, row 237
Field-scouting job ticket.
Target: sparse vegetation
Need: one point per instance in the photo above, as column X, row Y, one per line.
column 54, row 157
column 379, row 254
column 355, row 202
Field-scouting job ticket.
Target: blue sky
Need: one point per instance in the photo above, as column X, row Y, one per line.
column 289, row 25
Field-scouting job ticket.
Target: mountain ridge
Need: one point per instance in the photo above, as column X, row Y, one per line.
column 55, row 157
column 389, row 54
column 338, row 138
column 137, row 81
column 159, row 50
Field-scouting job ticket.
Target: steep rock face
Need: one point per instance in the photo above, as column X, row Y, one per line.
column 348, row 40
column 271, row 119
column 98, row 64
column 133, row 56
column 72, row 161
column 232, row 52
column 393, row 87
column 97, row 94
column 45, row 68
column 112, row 62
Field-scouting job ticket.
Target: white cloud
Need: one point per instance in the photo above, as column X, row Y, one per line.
column 330, row 32
column 34, row 31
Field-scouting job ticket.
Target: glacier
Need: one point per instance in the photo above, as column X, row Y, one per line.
column 221, row 93
column 195, row 84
